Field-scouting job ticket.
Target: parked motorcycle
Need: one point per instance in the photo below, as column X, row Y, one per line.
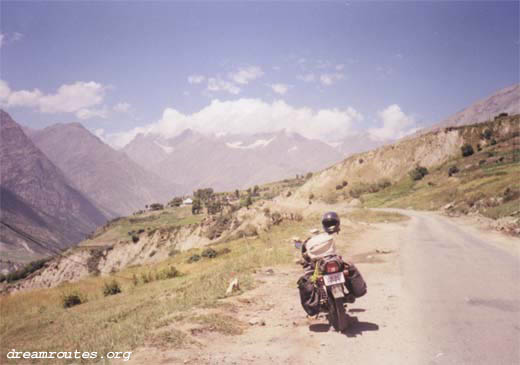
column 329, row 284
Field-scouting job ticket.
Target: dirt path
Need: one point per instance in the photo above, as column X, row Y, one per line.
column 282, row 334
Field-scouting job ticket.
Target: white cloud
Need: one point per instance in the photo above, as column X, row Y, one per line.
column 196, row 79
column 122, row 107
column 84, row 114
column 306, row 77
column 250, row 116
column 340, row 67
column 217, row 84
column 280, row 88
column 329, row 79
column 246, row 74
column 4, row 91
column 2, row 36
column 24, row 98
column 396, row 124
column 69, row 98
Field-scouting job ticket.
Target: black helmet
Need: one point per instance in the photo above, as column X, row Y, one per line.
column 330, row 222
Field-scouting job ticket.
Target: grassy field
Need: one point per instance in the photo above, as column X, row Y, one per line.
column 37, row 321
column 121, row 229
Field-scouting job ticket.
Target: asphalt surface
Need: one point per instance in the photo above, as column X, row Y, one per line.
column 463, row 290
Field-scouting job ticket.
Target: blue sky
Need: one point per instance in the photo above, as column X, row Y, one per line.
column 323, row 69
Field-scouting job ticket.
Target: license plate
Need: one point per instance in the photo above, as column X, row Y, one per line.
column 333, row 279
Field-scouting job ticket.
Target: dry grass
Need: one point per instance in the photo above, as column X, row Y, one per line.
column 36, row 320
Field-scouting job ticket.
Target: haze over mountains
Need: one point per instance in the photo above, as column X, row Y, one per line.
column 228, row 162
column 116, row 184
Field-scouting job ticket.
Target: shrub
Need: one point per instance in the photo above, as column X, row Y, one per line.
column 169, row 273
column 193, row 258
column 418, row 173
column 276, row 218
column 311, row 196
column 481, row 162
column 288, row 194
column 493, row 142
column 308, row 176
column 453, row 170
column 467, row 150
column 176, row 202
column 344, row 183
column 339, row 187
column 479, row 148
column 156, row 206
column 111, row 288
column 72, row 299
column 135, row 238
column 152, row 253
column 209, row 253
column 487, row 134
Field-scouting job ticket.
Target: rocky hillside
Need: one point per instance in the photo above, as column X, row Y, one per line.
column 152, row 237
column 506, row 100
column 38, row 199
column 113, row 181
column 228, row 162
column 467, row 169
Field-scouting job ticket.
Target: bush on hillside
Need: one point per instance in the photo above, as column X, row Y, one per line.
column 111, row 288
column 453, row 170
column 209, row 253
column 72, row 299
column 418, row 173
column 467, row 150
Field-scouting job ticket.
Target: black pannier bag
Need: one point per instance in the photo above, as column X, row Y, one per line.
column 354, row 281
column 309, row 295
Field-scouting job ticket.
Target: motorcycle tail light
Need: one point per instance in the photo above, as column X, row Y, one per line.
column 331, row 267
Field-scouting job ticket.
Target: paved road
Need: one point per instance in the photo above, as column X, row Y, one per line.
column 464, row 289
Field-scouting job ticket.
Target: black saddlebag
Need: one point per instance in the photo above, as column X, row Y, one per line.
column 354, row 281
column 309, row 295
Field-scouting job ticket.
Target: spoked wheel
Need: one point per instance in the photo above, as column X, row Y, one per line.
column 337, row 315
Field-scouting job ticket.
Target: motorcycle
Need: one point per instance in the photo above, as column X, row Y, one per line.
column 329, row 281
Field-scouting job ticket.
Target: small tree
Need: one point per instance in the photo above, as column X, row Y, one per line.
column 256, row 189
column 196, row 206
column 176, row 202
column 467, row 150
column 249, row 201
column 237, row 194
column 308, row 176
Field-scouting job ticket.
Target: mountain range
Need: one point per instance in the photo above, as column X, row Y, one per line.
column 228, row 162
column 38, row 199
column 116, row 184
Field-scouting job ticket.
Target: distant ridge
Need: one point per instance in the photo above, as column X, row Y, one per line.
column 506, row 100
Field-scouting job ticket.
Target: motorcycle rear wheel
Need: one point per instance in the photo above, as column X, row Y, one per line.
column 337, row 314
